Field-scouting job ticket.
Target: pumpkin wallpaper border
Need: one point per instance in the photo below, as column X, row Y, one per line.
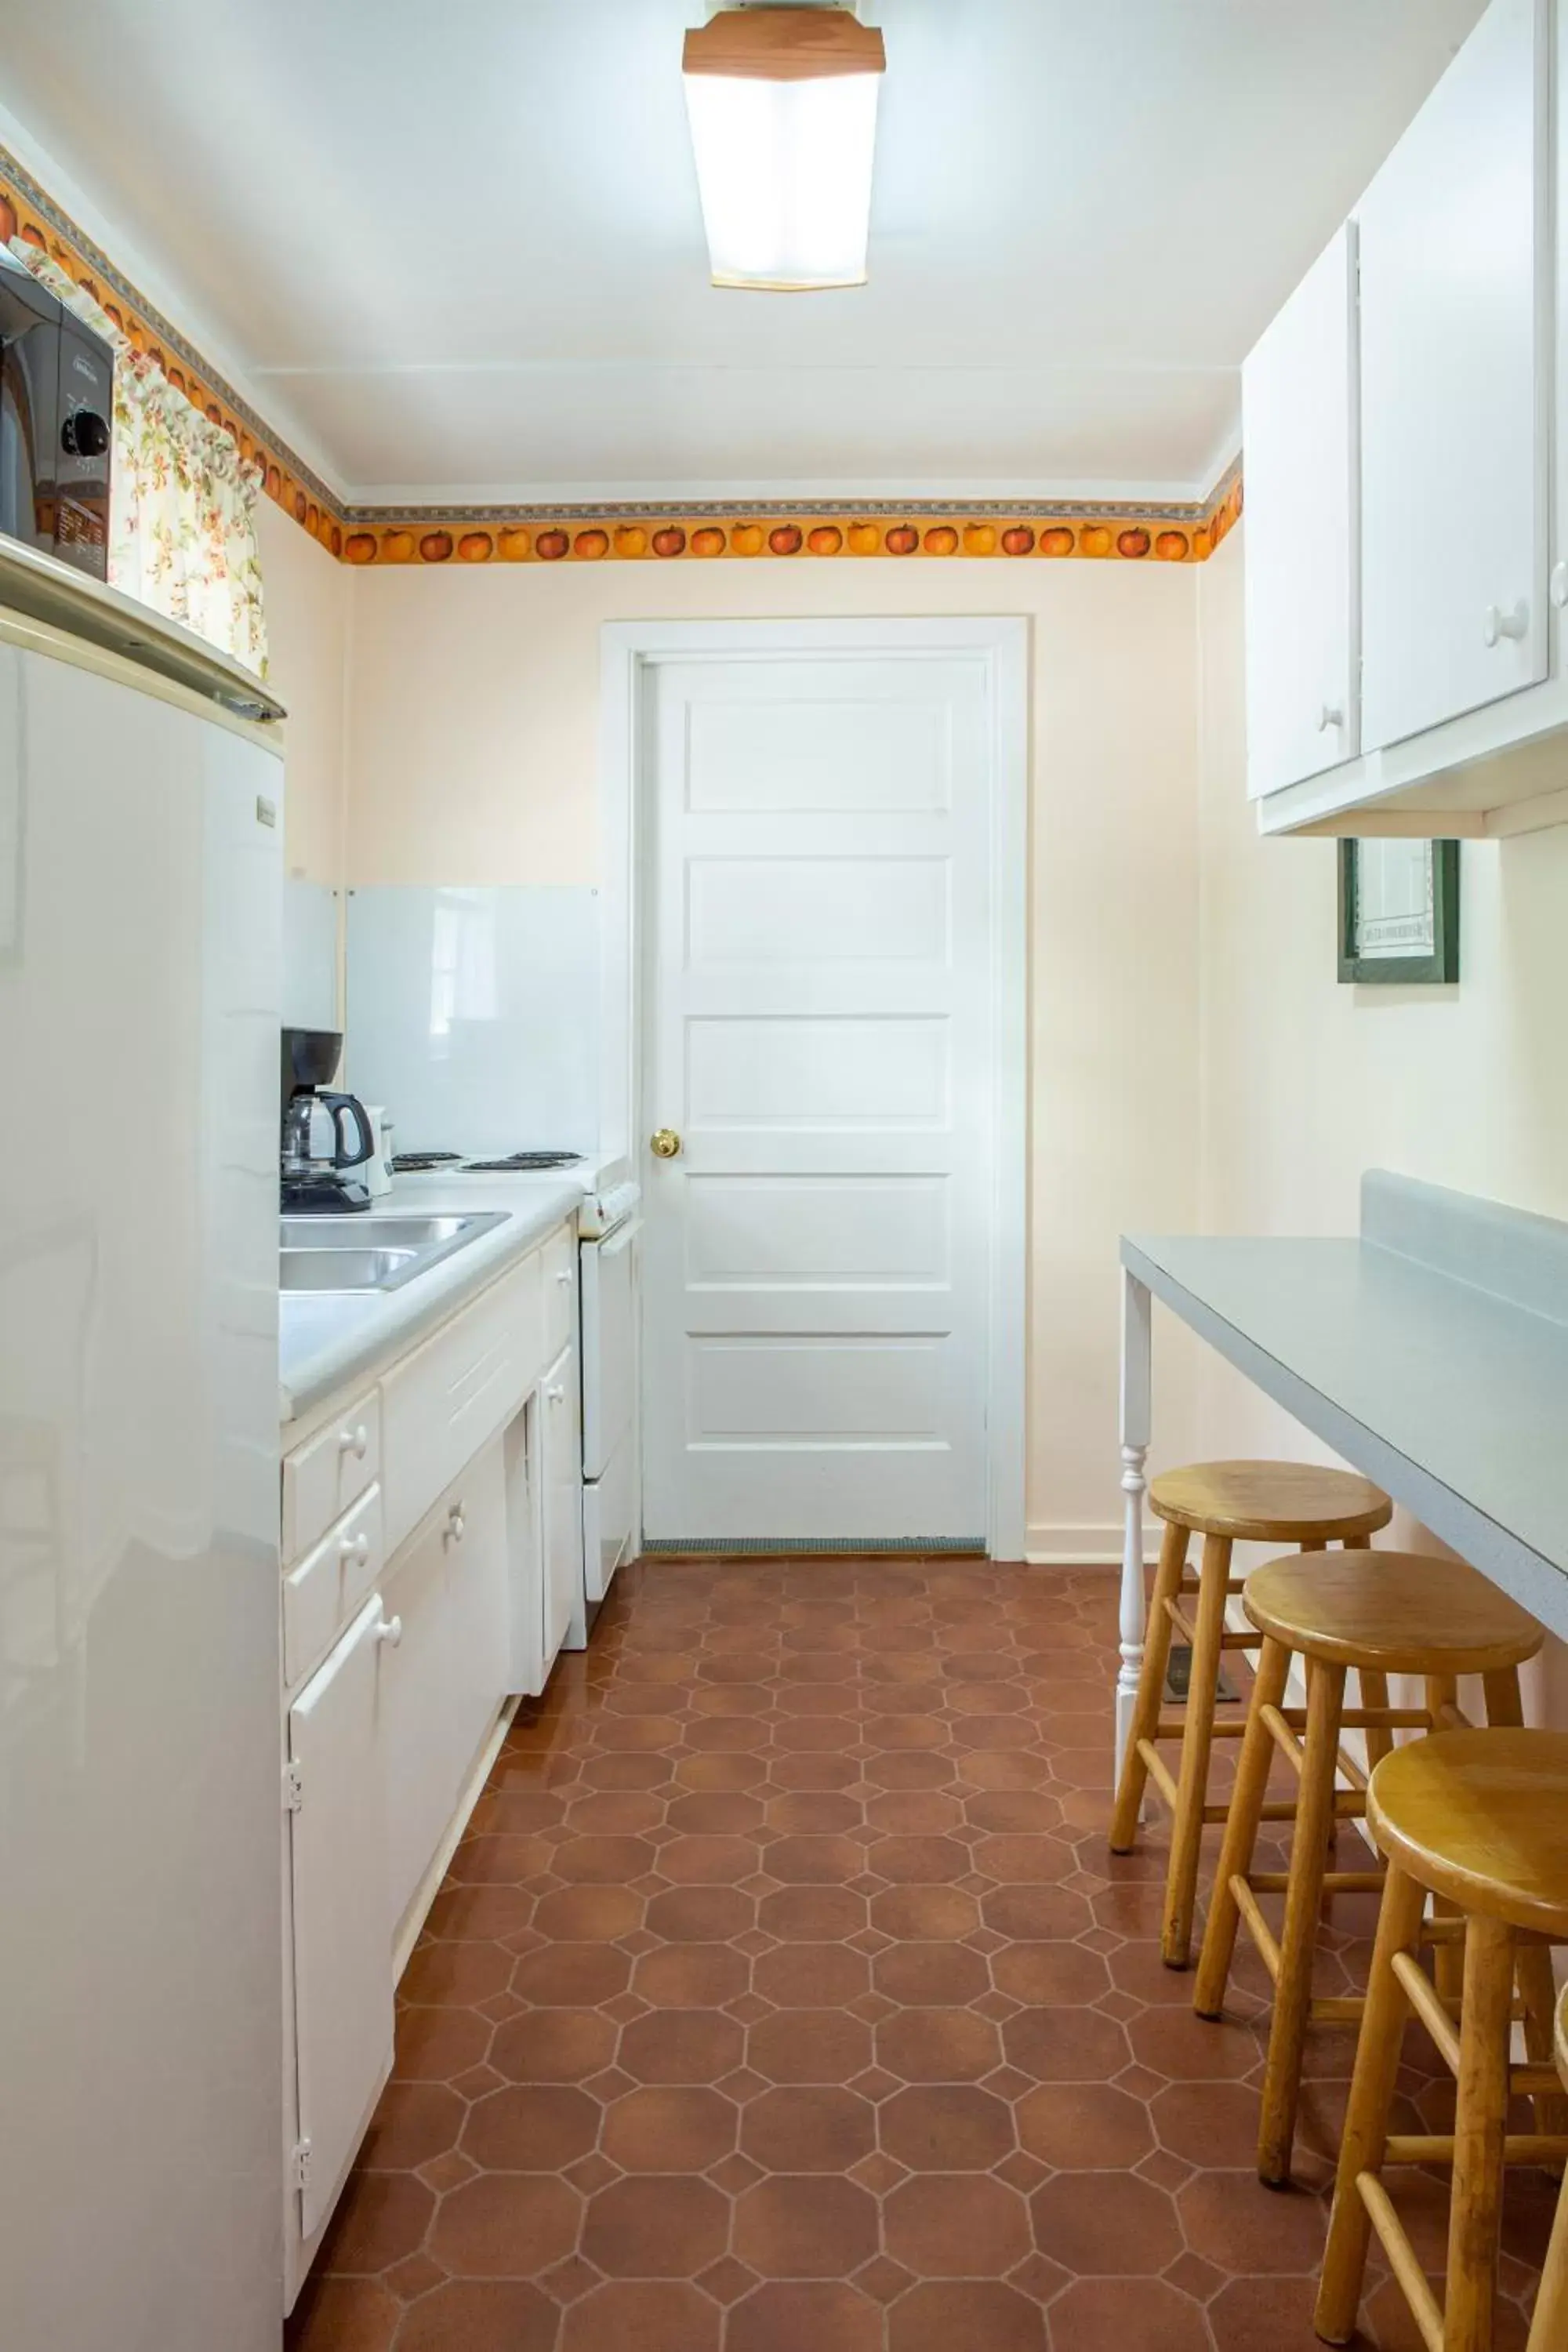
column 383, row 537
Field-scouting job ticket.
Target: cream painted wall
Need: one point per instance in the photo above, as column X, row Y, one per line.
column 307, row 604
column 472, row 757
column 1306, row 1083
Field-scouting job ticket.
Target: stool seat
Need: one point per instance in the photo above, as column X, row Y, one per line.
column 1480, row 1817
column 1270, row 1502
column 1397, row 1612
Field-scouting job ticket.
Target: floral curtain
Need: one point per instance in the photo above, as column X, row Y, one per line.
column 182, row 525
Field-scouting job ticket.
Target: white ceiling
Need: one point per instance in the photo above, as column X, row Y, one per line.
column 455, row 249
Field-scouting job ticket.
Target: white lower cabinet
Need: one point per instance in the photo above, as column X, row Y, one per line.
column 337, row 1836
column 446, row 1676
column 560, row 1448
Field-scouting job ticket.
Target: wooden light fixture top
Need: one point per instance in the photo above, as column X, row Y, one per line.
column 784, row 45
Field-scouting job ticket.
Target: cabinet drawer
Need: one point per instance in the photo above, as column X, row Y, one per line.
column 328, row 1586
column 441, row 1403
column 323, row 1477
column 560, row 1255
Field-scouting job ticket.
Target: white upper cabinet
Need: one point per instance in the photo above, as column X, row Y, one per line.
column 1298, row 390
column 1454, row 342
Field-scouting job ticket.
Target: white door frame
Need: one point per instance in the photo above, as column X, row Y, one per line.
column 629, row 650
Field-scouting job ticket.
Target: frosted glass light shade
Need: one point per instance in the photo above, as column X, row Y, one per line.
column 784, row 172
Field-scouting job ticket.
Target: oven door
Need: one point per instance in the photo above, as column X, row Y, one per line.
column 609, row 1311
column 30, row 399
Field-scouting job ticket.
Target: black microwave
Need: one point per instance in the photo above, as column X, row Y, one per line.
column 57, row 394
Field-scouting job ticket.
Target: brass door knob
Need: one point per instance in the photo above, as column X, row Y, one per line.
column 664, row 1143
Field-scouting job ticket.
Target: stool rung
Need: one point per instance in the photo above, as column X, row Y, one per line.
column 1423, row 2304
column 1335, row 1882
column 1422, row 1999
column 1257, row 1927
column 1173, row 1726
column 1437, row 2148
column 1159, row 1771
column 1189, row 1632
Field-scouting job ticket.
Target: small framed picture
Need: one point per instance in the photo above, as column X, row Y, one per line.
column 1399, row 912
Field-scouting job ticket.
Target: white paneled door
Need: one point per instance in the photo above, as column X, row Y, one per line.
column 817, row 1060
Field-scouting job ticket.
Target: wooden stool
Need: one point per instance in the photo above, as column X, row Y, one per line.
column 1226, row 1503
column 1378, row 1614
column 1479, row 1819
column 1549, row 2329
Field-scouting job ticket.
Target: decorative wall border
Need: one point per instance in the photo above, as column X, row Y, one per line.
column 387, row 536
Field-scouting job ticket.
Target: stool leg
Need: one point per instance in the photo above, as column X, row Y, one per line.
column 1549, row 2329
column 1475, row 2215
column 1447, row 1960
column 1298, row 1942
column 1533, row 1962
column 1366, row 2117
column 1372, row 1692
column 1150, row 1689
column 1240, row 1831
column 1198, row 1740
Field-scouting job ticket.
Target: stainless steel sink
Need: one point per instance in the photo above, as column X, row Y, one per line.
column 372, row 1253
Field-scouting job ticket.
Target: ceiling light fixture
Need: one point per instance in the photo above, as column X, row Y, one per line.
column 783, row 104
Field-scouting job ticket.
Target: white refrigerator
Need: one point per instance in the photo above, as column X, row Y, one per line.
column 141, row 2111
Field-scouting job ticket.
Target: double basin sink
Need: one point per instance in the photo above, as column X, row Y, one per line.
column 348, row 1253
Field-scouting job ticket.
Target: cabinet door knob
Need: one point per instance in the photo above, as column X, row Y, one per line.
column 456, row 1525
column 1497, row 624
column 555, row 1392
column 389, row 1631
column 354, row 1441
column 1329, row 717
column 1560, row 584
column 664, row 1143
column 564, row 1277
column 353, row 1546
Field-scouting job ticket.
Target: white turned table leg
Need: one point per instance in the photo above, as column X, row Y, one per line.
column 1136, row 1383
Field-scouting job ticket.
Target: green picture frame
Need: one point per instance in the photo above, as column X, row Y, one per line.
column 1437, row 962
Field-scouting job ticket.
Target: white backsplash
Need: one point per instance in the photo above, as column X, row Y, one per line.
column 472, row 1015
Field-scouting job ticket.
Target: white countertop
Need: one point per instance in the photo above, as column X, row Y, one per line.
column 328, row 1339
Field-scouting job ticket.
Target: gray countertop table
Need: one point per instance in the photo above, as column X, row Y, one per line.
column 1431, row 1352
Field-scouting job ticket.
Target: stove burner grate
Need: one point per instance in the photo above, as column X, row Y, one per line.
column 418, row 1163
column 522, row 1160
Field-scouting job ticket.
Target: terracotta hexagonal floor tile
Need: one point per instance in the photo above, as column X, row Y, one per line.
column 1065, row 2045
column 812, row 1976
column 656, row 2226
column 937, row 2046
column 571, row 1976
column 956, row 2225
column 341, row 2314
column 681, row 2045
column 667, row 2129
column 934, row 1913
column 1209, row 2124
column 588, row 1914
column 1049, row 1976
column 930, row 1976
column 700, row 1914
column 787, row 2319
column 413, row 2122
column 1247, row 2230
column 808, row 2128
column 691, row 1976
column 649, row 2316
column 809, row 2045
column 938, row 2317
column 553, row 2045
column 805, row 2227
column 1084, row 2126
column 458, row 1975
column 508, row 2225
column 480, row 2316
column 1105, row 2223
column 381, row 2217
column 946, row 2128
column 531, row 2127
column 1127, row 2315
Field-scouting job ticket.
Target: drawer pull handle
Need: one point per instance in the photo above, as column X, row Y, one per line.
column 556, row 1392
column 353, row 1546
column 564, row 1277
column 1497, row 624
column 389, row 1631
column 354, row 1441
column 1329, row 716
column 457, row 1526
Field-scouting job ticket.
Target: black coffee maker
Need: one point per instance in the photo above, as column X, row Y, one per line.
column 326, row 1138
